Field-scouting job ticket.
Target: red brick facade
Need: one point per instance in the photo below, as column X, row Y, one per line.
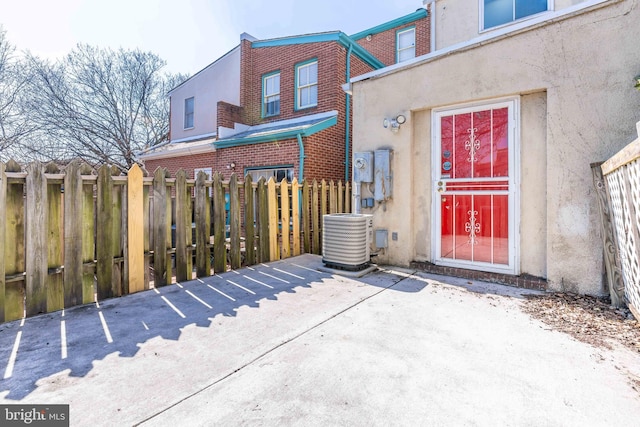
column 325, row 156
column 383, row 45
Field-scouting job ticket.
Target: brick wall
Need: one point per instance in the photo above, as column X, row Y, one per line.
column 188, row 163
column 228, row 114
column 383, row 45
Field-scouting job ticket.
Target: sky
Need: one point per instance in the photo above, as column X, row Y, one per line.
column 187, row 34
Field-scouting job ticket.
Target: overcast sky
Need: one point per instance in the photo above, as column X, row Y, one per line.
column 188, row 34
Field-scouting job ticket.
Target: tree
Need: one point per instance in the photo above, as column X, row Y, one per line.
column 14, row 125
column 99, row 105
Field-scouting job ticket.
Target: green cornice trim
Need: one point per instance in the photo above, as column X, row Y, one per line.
column 418, row 14
column 278, row 136
column 335, row 36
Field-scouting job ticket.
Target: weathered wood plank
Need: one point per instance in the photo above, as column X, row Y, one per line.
column 274, row 253
column 315, row 222
column 104, row 234
column 3, row 221
column 234, row 223
column 263, row 221
column 295, row 215
column 168, row 265
column 88, row 237
column 347, row 198
column 203, row 221
column 219, row 226
column 333, row 198
column 160, row 228
column 54, row 282
column 249, row 214
column 285, row 219
column 340, row 196
column 146, row 208
column 118, row 285
column 183, row 227
column 627, row 155
column 306, row 218
column 72, row 235
column 135, row 229
column 14, row 292
column 36, row 240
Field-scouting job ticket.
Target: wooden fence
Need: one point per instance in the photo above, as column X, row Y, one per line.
column 622, row 186
column 77, row 236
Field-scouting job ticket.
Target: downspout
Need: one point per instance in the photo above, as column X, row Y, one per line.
column 347, row 125
column 301, row 160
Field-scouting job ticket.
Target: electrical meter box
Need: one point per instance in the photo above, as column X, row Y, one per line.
column 382, row 172
column 363, row 166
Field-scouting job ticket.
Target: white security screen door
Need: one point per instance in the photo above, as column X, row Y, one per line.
column 475, row 191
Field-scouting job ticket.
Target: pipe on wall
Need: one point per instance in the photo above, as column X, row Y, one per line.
column 347, row 163
column 301, row 159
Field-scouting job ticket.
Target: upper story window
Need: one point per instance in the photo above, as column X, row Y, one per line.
column 499, row 12
column 188, row 112
column 307, row 84
column 271, row 94
column 405, row 44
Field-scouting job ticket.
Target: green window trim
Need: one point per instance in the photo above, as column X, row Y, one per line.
column 263, row 96
column 297, row 106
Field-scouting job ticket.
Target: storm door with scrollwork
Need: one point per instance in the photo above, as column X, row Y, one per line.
column 474, row 186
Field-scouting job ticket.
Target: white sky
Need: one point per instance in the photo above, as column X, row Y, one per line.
column 188, row 34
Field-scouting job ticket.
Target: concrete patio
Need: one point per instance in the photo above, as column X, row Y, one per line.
column 286, row 344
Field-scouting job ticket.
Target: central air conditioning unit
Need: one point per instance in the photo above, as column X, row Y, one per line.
column 345, row 241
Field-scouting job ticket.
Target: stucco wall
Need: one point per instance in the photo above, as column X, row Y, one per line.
column 458, row 20
column 219, row 81
column 577, row 106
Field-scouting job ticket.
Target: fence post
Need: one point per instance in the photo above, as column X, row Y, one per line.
column 249, row 229
column 284, row 219
column 306, row 220
column 36, row 298
column 135, row 229
column 183, row 228
column 203, row 221
column 88, row 239
column 54, row 240
column 295, row 210
column 234, row 223
column 219, row 226
column 347, row 197
column 263, row 221
column 160, row 228
column 73, row 235
column 14, row 260
column 340, row 197
column 315, row 222
column 104, row 233
column 333, row 199
column 274, row 253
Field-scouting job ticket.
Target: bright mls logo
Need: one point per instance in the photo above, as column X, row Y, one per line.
column 34, row 415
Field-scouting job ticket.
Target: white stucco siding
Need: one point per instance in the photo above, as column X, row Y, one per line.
column 220, row 81
column 577, row 106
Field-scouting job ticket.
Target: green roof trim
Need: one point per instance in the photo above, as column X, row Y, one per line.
column 277, row 136
column 418, row 14
column 335, row 36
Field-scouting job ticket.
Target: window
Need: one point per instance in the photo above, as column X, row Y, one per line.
column 499, row 12
column 188, row 113
column 271, row 95
column 277, row 173
column 208, row 172
column 307, row 85
column 406, row 44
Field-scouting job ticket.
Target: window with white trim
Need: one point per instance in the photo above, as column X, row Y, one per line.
column 405, row 44
column 278, row 174
column 500, row 12
column 306, row 85
column 188, row 112
column 271, row 95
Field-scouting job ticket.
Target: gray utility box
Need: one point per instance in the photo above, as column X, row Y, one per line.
column 363, row 166
column 382, row 171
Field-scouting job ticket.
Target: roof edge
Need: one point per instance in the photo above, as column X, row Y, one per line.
column 418, row 14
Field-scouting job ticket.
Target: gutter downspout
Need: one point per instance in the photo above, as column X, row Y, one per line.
column 347, row 125
column 301, row 160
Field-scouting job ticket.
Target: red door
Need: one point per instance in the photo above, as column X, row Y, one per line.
column 475, row 209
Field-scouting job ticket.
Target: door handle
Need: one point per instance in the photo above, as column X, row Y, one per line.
column 441, row 186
